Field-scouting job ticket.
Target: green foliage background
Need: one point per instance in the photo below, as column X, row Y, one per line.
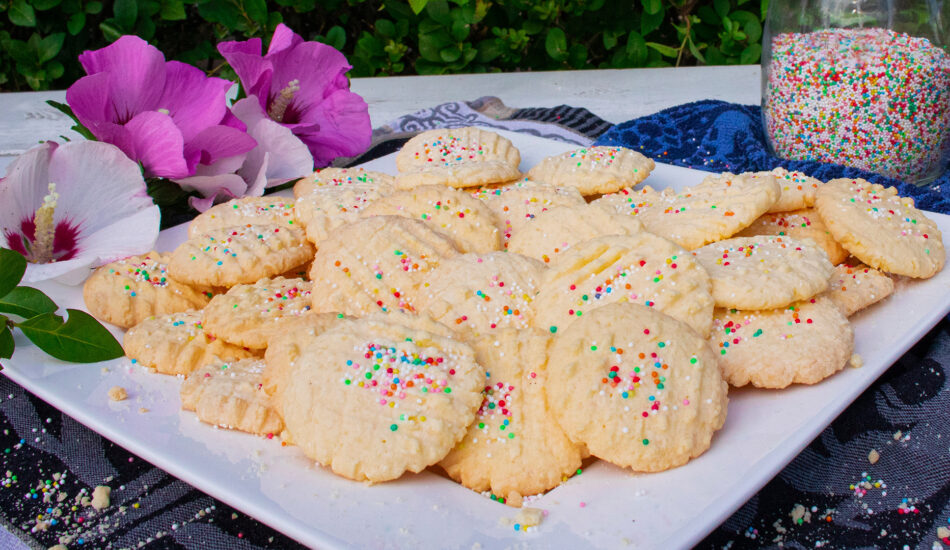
column 41, row 39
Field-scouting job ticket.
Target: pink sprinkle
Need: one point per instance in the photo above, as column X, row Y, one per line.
column 686, row 401
column 583, row 504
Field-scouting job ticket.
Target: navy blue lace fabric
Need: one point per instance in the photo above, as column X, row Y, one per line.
column 829, row 496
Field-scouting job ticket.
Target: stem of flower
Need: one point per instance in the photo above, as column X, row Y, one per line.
column 282, row 101
column 45, row 229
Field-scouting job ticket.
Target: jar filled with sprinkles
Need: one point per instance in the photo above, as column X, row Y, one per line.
column 864, row 83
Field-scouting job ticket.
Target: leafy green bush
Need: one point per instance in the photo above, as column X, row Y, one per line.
column 41, row 39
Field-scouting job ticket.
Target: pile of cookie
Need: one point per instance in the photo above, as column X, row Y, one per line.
column 507, row 327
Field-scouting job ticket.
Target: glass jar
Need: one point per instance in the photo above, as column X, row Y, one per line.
column 864, row 83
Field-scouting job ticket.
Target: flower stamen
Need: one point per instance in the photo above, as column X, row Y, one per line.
column 42, row 250
column 282, row 101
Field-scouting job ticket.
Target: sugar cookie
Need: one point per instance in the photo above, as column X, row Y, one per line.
column 324, row 209
column 460, row 157
column 128, row 291
column 230, row 256
column 798, row 224
column 764, row 272
column 640, row 268
column 373, row 399
column 880, row 228
column 376, row 264
column 514, row 447
column 719, row 207
column 593, row 170
column 854, row 286
column 249, row 315
column 803, row 343
column 640, row 389
column 244, row 211
column 798, row 190
column 456, row 214
column 476, row 294
column 229, row 394
column 177, row 344
column 555, row 230
column 517, row 204
column 342, row 177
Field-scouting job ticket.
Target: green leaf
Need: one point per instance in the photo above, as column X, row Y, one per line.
column 430, row 45
column 750, row 24
column 6, row 339
column 92, row 8
column 125, row 12
column 450, row 54
column 336, row 37
column 385, row 27
column 67, row 110
column 256, row 10
column 652, row 6
column 75, row 23
column 694, row 49
column 490, row 49
column 555, row 43
column 80, row 339
column 22, row 14
column 649, row 22
column 20, row 52
column 636, row 49
column 721, row 7
column 26, row 302
column 664, row 50
column 12, row 268
column 750, row 54
column 43, row 5
column 109, row 30
column 164, row 192
column 50, row 46
column 55, row 69
column 173, row 10
column 577, row 56
column 418, row 5
column 438, row 10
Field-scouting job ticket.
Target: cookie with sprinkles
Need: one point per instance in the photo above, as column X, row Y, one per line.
column 476, row 294
column 128, row 291
column 177, row 344
column 719, row 207
column 250, row 315
column 235, row 255
column 640, row 268
column 324, row 209
column 376, row 264
column 451, row 212
column 229, row 394
column 593, row 170
column 802, row 343
column 244, row 211
column 517, row 204
column 855, row 286
column 798, row 224
column 764, row 272
column 460, row 157
column 640, row 389
column 343, row 177
column 881, row 228
column 555, row 230
column 798, row 190
column 373, row 398
column 514, row 448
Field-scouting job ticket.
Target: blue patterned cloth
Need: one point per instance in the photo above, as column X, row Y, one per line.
column 726, row 137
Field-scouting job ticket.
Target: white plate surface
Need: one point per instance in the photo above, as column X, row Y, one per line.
column 605, row 507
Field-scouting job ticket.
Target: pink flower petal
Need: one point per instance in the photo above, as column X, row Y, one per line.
column 157, row 143
column 142, row 70
column 288, row 157
column 344, row 127
column 193, row 100
column 317, row 68
column 254, row 72
column 210, row 187
column 22, row 189
column 218, row 142
column 283, row 39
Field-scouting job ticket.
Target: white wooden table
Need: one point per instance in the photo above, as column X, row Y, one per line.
column 614, row 95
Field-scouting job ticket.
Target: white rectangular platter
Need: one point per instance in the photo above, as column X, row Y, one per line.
column 605, row 507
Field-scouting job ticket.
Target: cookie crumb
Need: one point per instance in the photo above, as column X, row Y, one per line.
column 143, row 410
column 943, row 532
column 118, row 393
column 57, row 547
column 898, row 435
column 874, row 456
column 100, row 497
column 857, row 361
column 800, row 514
